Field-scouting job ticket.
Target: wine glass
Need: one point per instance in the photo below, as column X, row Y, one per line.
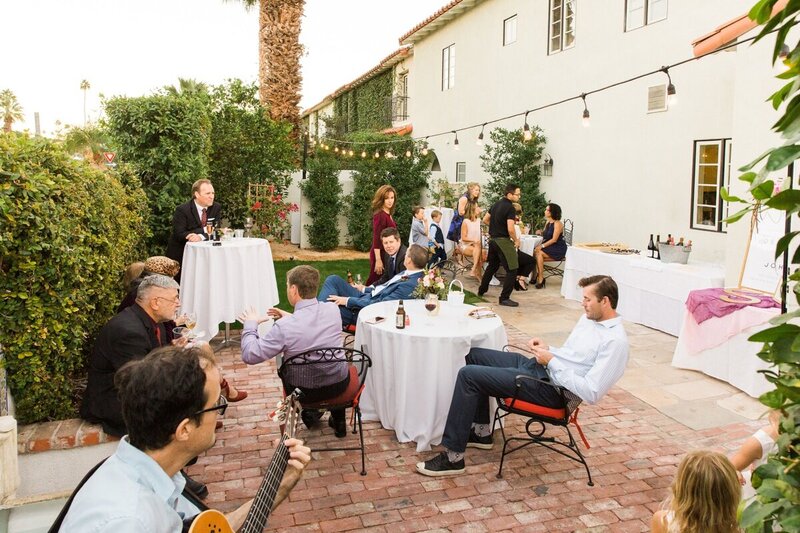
column 190, row 320
column 431, row 303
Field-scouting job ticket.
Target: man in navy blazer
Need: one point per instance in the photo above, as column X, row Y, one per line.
column 351, row 299
column 188, row 222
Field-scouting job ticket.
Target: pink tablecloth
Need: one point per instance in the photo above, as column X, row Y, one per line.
column 706, row 303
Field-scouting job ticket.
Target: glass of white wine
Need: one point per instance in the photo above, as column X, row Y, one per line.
column 190, row 320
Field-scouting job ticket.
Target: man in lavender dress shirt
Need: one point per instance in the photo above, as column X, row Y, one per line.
column 314, row 324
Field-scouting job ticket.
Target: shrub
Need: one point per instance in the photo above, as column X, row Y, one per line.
column 166, row 138
column 408, row 175
column 324, row 191
column 68, row 230
column 510, row 159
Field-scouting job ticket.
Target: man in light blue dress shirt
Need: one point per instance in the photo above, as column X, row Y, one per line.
column 170, row 403
column 589, row 363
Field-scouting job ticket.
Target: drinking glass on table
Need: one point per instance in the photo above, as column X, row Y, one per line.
column 190, row 320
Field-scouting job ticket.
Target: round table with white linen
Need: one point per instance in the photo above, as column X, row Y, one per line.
column 414, row 370
column 447, row 217
column 219, row 282
column 527, row 243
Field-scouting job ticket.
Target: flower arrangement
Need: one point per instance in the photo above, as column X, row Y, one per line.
column 431, row 282
column 271, row 214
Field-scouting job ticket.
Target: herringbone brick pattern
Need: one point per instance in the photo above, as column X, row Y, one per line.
column 633, row 455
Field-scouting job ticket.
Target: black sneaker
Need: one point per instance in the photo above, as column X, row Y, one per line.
column 440, row 466
column 509, row 303
column 310, row 417
column 339, row 427
column 484, row 443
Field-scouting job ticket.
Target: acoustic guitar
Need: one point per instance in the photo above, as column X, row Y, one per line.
column 213, row 521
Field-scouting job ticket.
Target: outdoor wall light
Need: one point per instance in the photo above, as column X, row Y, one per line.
column 547, row 165
column 455, row 142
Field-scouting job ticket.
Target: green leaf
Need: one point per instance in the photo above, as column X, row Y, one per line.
column 763, row 190
column 738, row 215
column 748, row 177
column 730, row 198
column 773, row 334
column 787, row 200
column 782, row 156
column 754, row 162
column 783, row 243
column 772, row 399
column 756, row 512
column 782, row 319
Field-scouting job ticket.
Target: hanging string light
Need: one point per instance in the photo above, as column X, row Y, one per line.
column 780, row 65
column 389, row 154
column 363, row 154
column 425, row 146
column 377, row 155
column 480, row 136
column 585, row 120
column 350, row 152
column 672, row 94
column 408, row 153
column 455, row 142
column 526, row 130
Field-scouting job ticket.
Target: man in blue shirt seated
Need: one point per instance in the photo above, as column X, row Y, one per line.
column 170, row 402
column 352, row 298
column 589, row 363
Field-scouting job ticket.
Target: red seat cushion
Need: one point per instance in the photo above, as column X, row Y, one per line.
column 345, row 398
column 350, row 328
column 534, row 409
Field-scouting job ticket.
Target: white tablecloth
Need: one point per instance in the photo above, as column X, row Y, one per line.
column 410, row 384
column 447, row 217
column 527, row 243
column 734, row 360
column 651, row 293
column 219, row 282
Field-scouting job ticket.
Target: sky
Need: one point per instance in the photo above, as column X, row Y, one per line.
column 132, row 47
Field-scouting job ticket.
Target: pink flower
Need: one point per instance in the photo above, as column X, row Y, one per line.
column 282, row 215
column 256, row 205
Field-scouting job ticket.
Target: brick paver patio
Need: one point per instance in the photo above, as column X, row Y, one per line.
column 633, row 455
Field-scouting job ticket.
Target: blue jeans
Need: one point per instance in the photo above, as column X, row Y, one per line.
column 336, row 286
column 491, row 373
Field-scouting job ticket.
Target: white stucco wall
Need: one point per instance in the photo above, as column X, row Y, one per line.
column 630, row 173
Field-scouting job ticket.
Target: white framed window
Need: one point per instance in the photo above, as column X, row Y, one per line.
column 562, row 25
column 712, row 167
column 449, row 67
column 510, row 30
column 641, row 12
column 461, row 172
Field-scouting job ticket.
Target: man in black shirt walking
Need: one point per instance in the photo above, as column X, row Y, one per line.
column 503, row 244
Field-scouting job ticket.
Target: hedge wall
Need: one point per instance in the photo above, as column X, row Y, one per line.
column 68, row 230
column 366, row 107
column 324, row 193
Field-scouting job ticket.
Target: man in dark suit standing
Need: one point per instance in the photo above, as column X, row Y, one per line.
column 351, row 299
column 393, row 255
column 190, row 219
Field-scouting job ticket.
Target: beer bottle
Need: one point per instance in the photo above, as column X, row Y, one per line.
column 349, row 277
column 400, row 317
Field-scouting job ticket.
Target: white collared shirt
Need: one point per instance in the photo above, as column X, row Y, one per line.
column 593, row 358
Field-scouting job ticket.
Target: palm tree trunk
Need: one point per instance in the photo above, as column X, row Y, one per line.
column 279, row 58
column 7, row 124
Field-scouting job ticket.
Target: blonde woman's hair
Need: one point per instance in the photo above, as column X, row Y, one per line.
column 472, row 185
column 380, row 197
column 133, row 271
column 704, row 494
column 471, row 211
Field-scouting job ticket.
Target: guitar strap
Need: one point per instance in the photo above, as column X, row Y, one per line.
column 188, row 494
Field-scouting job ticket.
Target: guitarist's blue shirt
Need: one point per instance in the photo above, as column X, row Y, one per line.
column 129, row 493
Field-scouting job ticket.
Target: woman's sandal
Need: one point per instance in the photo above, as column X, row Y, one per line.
column 226, row 390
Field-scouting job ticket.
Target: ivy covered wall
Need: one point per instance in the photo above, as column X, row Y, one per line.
column 366, row 107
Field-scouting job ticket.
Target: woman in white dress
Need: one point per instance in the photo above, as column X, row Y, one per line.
column 471, row 243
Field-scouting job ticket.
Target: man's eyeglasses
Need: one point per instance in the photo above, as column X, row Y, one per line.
column 221, row 406
column 175, row 300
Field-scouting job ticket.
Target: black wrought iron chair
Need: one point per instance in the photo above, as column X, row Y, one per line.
column 538, row 417
column 314, row 362
column 556, row 268
column 457, row 263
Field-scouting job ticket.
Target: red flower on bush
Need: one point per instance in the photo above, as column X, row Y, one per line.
column 256, row 205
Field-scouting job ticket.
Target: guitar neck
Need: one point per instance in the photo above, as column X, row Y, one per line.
column 256, row 519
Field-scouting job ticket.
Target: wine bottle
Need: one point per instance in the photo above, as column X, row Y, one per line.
column 651, row 247
column 400, row 317
column 658, row 244
column 349, row 277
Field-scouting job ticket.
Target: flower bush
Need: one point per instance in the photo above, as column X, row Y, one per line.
column 271, row 215
column 432, row 282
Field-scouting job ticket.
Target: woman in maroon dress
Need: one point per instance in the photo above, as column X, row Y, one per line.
column 382, row 209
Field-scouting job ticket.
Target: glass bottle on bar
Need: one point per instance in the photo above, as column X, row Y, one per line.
column 651, row 247
column 400, row 317
column 349, row 277
column 658, row 243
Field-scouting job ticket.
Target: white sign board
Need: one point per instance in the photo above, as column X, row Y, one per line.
column 762, row 271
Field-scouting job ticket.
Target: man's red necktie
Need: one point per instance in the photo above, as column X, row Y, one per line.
column 204, row 218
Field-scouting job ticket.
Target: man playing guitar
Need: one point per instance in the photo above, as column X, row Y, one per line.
column 170, row 402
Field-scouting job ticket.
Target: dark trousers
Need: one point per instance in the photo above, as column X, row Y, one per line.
column 491, row 373
column 437, row 257
column 320, row 394
column 494, row 260
column 336, row 286
column 527, row 264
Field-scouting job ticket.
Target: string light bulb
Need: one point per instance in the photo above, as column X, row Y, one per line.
column 389, row 154
column 408, row 153
column 480, row 136
column 585, row 120
column 526, row 130
column 780, row 65
column 363, row 154
column 455, row 142
column 350, row 153
column 377, row 155
column 672, row 94
column 336, row 149
column 425, row 146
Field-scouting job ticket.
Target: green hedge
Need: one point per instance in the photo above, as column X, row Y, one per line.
column 166, row 138
column 68, row 230
column 324, row 193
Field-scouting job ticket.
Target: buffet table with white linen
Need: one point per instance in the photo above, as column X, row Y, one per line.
column 447, row 217
column 651, row 293
column 714, row 348
column 413, row 374
column 219, row 282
